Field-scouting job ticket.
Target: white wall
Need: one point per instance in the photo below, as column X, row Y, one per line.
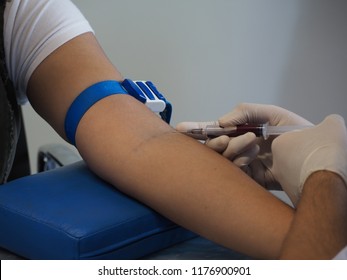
column 207, row 56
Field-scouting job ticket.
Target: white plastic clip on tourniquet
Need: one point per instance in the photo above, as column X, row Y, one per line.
column 144, row 91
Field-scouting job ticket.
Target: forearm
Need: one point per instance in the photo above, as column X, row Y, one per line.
column 319, row 229
column 180, row 178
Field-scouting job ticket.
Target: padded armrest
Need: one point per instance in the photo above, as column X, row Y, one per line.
column 69, row 213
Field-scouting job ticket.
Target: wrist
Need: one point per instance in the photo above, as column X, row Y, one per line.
column 319, row 228
column 324, row 178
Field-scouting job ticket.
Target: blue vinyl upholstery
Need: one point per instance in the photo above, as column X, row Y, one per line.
column 69, row 213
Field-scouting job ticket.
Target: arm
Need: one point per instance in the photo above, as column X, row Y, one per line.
column 130, row 147
column 311, row 165
column 319, row 229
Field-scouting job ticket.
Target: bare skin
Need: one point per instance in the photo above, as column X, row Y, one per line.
column 319, row 229
column 127, row 145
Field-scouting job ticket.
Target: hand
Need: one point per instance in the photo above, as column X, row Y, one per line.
column 259, row 113
column 255, row 155
column 260, row 168
column 240, row 150
column 296, row 155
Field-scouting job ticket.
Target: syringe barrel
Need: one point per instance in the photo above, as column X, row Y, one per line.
column 257, row 129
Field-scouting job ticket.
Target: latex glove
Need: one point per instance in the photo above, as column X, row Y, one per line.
column 261, row 168
column 240, row 150
column 296, row 155
column 261, row 113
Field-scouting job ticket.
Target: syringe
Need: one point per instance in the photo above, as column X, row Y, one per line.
column 260, row 130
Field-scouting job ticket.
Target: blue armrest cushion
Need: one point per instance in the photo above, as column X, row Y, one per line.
column 69, row 213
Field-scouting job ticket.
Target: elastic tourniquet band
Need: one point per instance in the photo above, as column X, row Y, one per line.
column 84, row 101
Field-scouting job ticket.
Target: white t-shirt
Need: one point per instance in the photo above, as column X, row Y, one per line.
column 33, row 29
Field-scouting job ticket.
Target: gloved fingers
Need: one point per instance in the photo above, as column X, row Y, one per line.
column 263, row 175
column 245, row 158
column 261, row 113
column 240, row 150
column 239, row 145
column 245, row 113
column 218, row 144
column 258, row 172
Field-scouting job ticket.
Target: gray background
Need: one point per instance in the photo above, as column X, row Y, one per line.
column 207, row 56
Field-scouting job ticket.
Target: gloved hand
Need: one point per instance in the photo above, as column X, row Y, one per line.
column 260, row 168
column 240, row 150
column 253, row 154
column 296, row 155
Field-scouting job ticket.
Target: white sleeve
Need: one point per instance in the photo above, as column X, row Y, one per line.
column 33, row 29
